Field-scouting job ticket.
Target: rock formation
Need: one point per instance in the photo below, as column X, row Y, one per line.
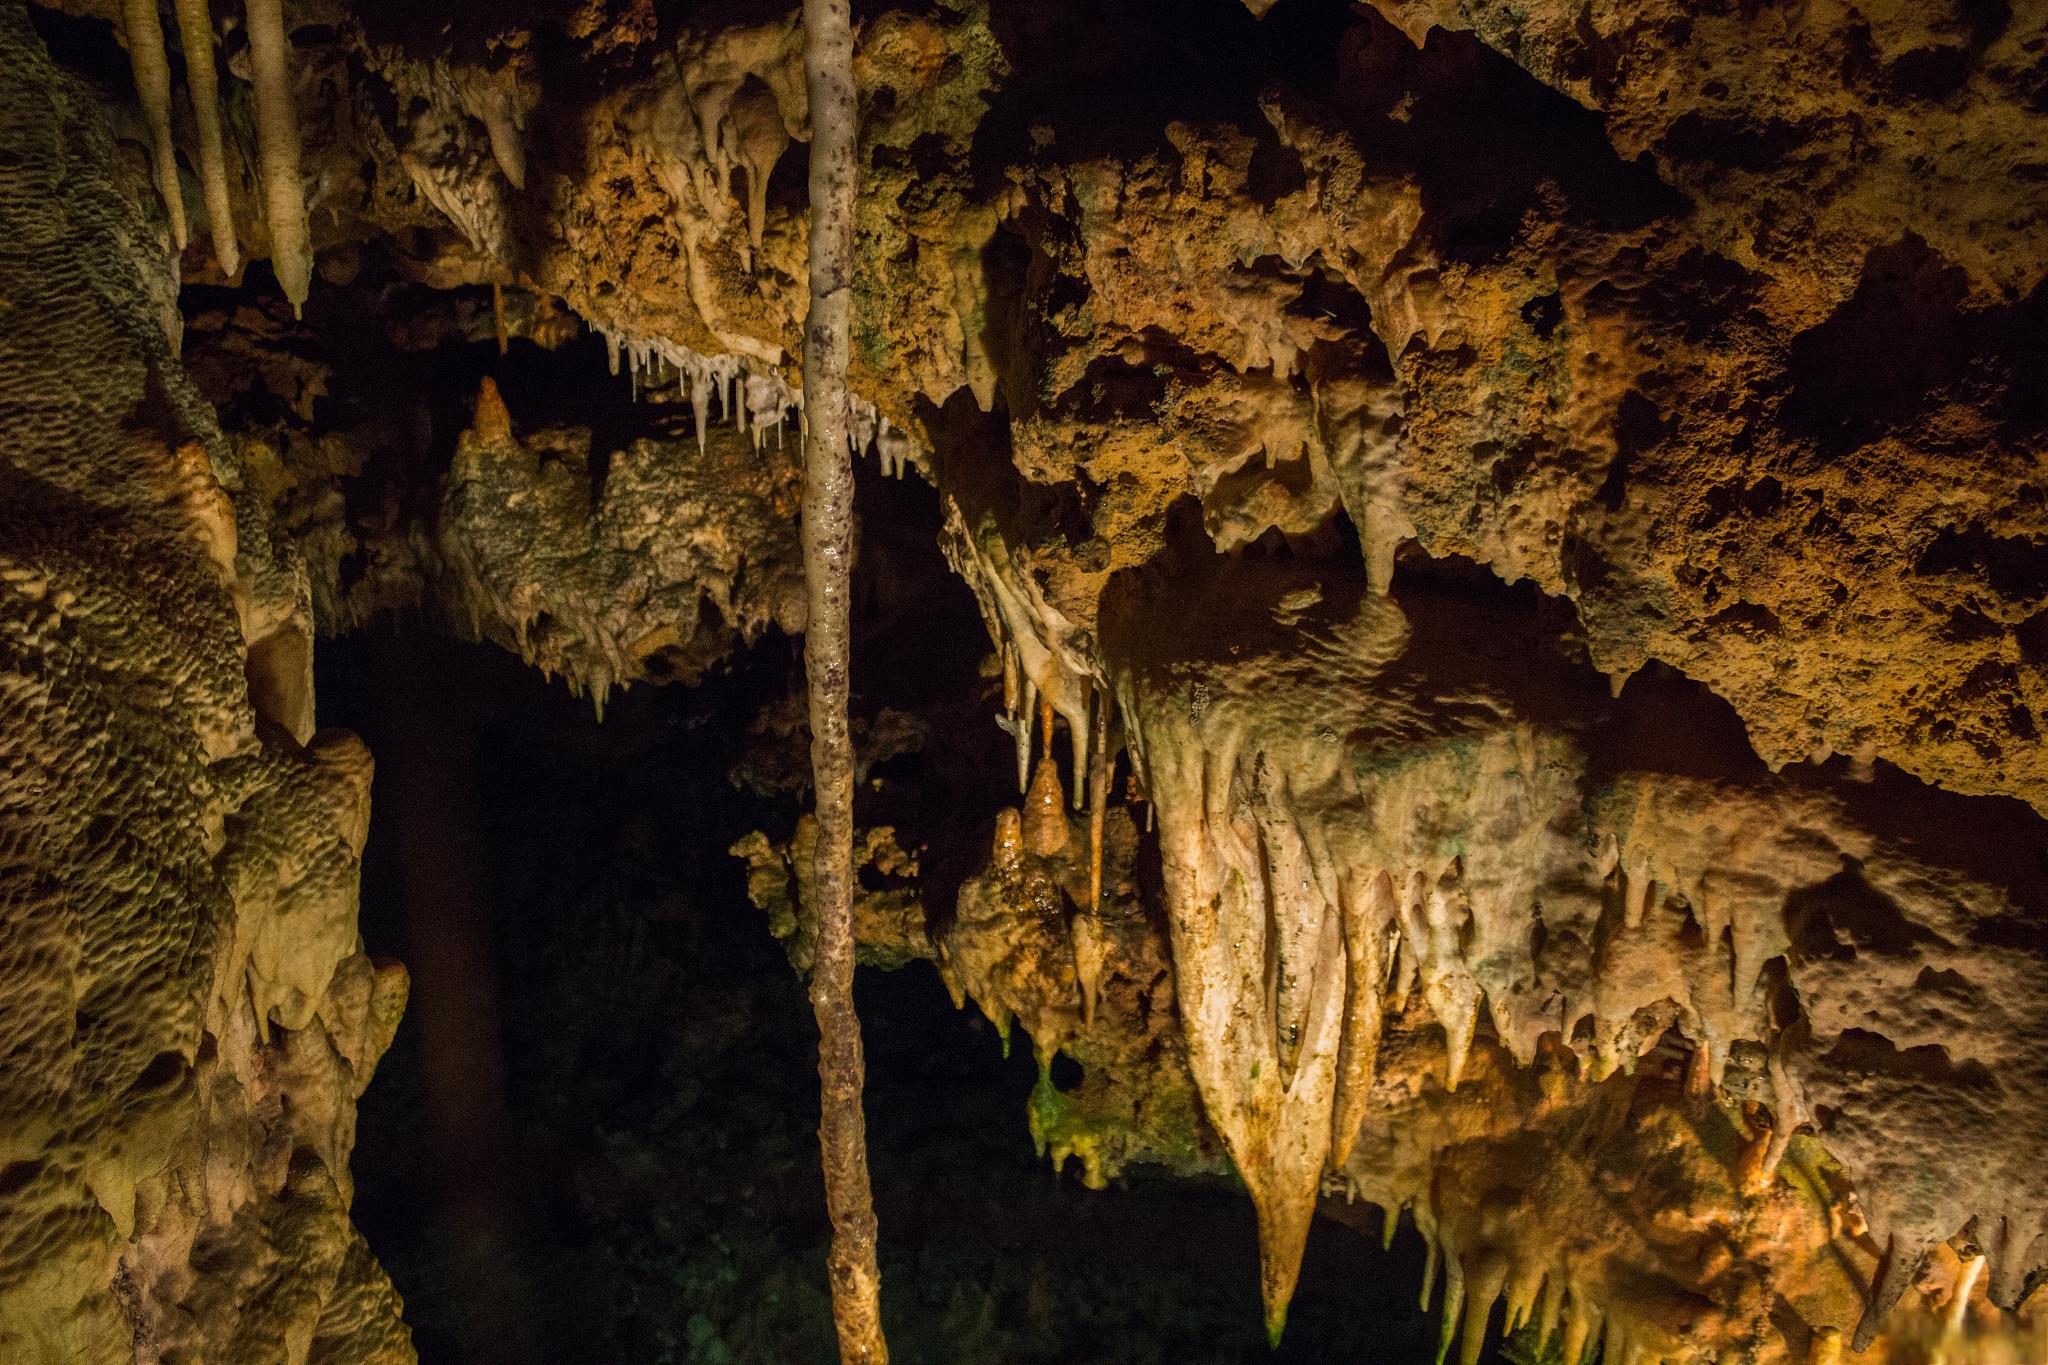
column 188, row 1018
column 1530, row 516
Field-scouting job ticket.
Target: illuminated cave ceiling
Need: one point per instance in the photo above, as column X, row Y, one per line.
column 1529, row 520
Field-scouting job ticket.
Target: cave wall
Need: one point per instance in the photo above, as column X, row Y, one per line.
column 188, row 1018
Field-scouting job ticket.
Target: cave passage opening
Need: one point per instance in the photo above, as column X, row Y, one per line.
column 594, row 1136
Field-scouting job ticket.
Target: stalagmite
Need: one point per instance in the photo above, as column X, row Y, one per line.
column 1785, row 1117
column 1754, row 1166
column 1045, row 815
column 1009, row 838
column 490, row 420
column 1699, row 1072
column 277, row 150
column 202, row 86
column 827, row 529
column 145, row 37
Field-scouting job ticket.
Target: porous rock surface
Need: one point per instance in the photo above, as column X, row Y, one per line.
column 1657, row 929
column 187, row 1017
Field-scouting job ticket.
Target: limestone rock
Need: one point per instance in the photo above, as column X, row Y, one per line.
column 187, row 1017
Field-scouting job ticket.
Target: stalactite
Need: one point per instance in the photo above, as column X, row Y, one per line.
column 202, row 85
column 146, row 59
column 753, row 136
column 1578, row 1329
column 1365, row 915
column 1901, row 1267
column 700, row 402
column 1077, row 736
column 277, row 150
column 1483, row 1290
column 2014, row 1250
column 1523, row 1288
column 827, row 528
column 1027, row 716
column 498, row 317
column 1454, row 1304
column 1098, row 799
column 1550, row 1312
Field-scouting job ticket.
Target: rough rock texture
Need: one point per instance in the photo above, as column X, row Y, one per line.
column 1253, row 359
column 604, row 559
column 679, row 553
column 187, row 1017
column 1365, row 798
column 1626, row 360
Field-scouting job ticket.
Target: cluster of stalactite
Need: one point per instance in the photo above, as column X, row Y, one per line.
column 1409, row 816
column 277, row 131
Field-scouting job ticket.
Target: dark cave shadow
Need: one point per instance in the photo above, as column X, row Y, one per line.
column 660, row 1084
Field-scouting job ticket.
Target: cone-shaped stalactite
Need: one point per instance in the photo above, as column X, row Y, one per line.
column 202, row 85
column 828, row 550
column 145, row 35
column 277, row 150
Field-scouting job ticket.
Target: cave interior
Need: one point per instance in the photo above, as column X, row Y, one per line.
column 1447, row 614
